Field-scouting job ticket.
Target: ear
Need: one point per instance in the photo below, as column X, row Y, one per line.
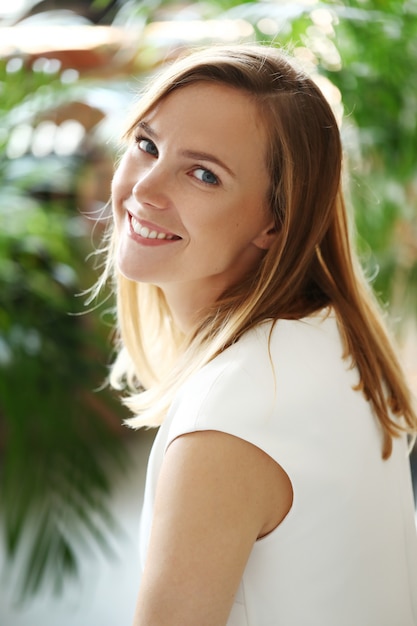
column 267, row 237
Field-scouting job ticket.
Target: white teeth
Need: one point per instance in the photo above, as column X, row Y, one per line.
column 146, row 233
column 143, row 231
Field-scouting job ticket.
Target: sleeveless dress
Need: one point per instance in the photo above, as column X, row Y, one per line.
column 346, row 554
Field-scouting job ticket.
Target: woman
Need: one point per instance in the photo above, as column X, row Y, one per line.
column 278, row 489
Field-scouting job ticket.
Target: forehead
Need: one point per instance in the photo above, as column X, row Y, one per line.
column 219, row 116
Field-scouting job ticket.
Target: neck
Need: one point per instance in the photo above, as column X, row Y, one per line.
column 188, row 303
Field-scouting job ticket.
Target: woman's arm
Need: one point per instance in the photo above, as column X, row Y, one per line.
column 216, row 495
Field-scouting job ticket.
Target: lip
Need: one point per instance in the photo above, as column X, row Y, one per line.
column 152, row 227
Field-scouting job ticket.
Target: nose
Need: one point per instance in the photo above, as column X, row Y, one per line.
column 152, row 187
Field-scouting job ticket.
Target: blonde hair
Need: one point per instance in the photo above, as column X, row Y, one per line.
column 309, row 267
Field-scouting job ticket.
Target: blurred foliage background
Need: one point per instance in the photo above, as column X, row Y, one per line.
column 68, row 73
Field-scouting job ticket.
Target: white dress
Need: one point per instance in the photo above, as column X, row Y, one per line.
column 346, row 554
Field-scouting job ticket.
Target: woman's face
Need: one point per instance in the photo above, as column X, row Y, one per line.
column 189, row 195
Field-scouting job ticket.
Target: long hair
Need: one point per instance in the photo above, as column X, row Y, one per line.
column 311, row 265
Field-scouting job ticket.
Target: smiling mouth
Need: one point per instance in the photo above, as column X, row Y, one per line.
column 147, row 233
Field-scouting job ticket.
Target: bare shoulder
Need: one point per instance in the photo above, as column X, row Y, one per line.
column 216, row 495
column 233, row 470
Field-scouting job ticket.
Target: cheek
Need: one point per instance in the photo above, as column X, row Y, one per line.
column 121, row 189
column 123, row 176
column 118, row 211
column 118, row 182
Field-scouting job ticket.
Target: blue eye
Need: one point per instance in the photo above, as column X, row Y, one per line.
column 146, row 145
column 206, row 176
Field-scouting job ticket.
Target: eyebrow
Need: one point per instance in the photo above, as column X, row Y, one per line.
column 190, row 154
